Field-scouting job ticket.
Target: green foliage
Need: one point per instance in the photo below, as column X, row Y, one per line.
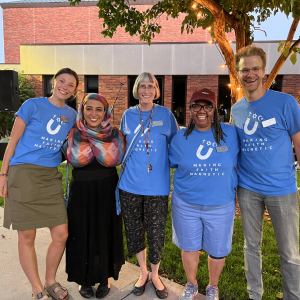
column 285, row 48
column 146, row 23
column 26, row 91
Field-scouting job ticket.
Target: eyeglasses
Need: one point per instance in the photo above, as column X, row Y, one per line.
column 197, row 107
column 146, row 87
column 246, row 72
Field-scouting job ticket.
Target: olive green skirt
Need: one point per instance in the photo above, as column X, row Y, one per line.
column 34, row 198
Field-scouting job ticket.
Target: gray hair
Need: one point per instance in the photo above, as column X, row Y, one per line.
column 145, row 76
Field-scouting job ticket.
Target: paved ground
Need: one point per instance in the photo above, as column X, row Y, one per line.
column 15, row 286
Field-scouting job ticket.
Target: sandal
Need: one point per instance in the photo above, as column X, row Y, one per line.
column 55, row 295
column 41, row 295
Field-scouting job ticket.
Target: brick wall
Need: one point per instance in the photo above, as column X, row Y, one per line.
column 109, row 87
column 59, row 25
column 198, row 82
column 168, row 92
column 291, row 85
column 38, row 84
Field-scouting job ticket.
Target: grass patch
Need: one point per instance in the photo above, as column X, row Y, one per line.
column 232, row 282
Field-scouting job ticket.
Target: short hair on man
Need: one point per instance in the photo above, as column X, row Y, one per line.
column 251, row 50
column 145, row 76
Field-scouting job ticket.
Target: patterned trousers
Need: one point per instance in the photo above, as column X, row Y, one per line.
column 144, row 214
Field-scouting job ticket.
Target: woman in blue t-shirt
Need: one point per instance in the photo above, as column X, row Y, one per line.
column 32, row 185
column 203, row 200
column 145, row 182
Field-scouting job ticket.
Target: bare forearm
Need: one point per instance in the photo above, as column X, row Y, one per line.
column 9, row 152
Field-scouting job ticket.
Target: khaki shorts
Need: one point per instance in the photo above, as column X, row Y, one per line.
column 34, row 198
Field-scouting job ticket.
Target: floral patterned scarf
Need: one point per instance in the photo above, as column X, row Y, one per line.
column 106, row 143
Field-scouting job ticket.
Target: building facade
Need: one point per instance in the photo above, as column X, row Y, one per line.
column 41, row 37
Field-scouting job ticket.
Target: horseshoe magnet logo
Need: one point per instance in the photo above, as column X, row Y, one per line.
column 247, row 131
column 207, row 155
column 50, row 131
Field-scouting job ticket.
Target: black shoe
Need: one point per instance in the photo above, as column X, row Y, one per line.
column 161, row 294
column 102, row 291
column 139, row 290
column 86, row 292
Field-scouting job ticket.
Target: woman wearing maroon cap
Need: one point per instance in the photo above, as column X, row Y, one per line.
column 203, row 201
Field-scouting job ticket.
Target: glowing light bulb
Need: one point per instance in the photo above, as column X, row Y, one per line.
column 209, row 28
column 210, row 42
column 230, row 41
column 223, row 67
column 238, row 88
column 194, row 5
column 229, row 84
column 199, row 14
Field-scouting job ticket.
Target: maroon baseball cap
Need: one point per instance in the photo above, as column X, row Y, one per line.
column 204, row 94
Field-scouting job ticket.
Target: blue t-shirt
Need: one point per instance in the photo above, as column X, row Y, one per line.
column 46, row 129
column 135, row 178
column 265, row 127
column 203, row 175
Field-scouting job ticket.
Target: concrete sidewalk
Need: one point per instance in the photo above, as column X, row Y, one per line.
column 15, row 286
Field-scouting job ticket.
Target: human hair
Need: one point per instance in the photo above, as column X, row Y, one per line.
column 146, row 76
column 216, row 128
column 251, row 50
column 68, row 71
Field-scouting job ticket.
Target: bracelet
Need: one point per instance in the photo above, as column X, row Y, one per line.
column 1, row 174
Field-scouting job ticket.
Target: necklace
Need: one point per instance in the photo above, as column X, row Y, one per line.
column 149, row 166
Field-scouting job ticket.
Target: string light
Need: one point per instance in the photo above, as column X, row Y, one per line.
column 199, row 14
column 238, row 88
column 223, row 66
column 194, row 5
column 229, row 84
column 209, row 28
column 230, row 41
column 210, row 42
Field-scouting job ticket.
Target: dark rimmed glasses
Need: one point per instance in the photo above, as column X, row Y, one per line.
column 197, row 107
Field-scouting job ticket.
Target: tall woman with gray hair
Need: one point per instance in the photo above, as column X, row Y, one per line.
column 145, row 182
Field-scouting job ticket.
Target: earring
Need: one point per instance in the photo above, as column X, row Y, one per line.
column 213, row 121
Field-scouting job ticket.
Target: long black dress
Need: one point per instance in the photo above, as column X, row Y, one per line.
column 94, row 250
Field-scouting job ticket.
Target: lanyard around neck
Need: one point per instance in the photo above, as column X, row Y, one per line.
column 147, row 140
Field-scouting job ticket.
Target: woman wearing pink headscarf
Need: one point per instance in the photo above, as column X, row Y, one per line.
column 94, row 250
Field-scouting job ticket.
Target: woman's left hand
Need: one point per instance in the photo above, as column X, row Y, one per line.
column 3, row 186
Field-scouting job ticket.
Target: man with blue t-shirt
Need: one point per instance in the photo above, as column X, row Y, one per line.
column 267, row 122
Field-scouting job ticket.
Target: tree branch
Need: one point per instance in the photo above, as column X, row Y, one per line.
column 282, row 58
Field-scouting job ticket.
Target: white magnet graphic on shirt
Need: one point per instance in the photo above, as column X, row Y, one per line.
column 50, row 131
column 207, row 155
column 247, row 131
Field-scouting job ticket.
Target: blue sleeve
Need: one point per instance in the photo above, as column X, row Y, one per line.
column 174, row 154
column 122, row 123
column 292, row 116
column 26, row 111
column 174, row 127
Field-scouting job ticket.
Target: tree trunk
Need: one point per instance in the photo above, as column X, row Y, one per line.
column 221, row 18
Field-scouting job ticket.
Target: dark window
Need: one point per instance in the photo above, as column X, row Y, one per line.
column 91, row 84
column 277, row 83
column 132, row 101
column 47, row 85
column 224, row 100
column 179, row 98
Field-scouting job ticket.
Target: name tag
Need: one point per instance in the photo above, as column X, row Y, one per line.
column 64, row 119
column 269, row 122
column 222, row 149
column 157, row 123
